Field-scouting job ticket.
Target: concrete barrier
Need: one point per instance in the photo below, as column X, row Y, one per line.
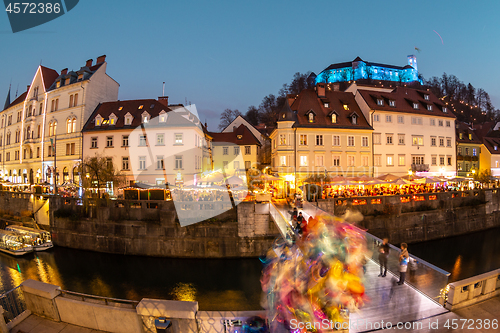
column 181, row 313
column 473, row 290
column 213, row 321
column 40, row 297
column 109, row 318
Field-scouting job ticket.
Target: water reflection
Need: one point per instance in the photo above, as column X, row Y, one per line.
column 184, row 292
column 457, row 266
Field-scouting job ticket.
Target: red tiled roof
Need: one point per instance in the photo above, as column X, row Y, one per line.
column 491, row 143
column 404, row 98
column 465, row 130
column 49, row 76
column 241, row 136
column 308, row 100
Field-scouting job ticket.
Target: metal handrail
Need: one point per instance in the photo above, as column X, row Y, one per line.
column 8, row 292
column 103, row 298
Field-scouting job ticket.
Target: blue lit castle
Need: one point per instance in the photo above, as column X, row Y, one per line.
column 359, row 69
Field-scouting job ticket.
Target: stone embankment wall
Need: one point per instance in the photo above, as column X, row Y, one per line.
column 416, row 218
column 152, row 228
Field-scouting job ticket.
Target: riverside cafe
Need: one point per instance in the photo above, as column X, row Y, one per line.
column 387, row 184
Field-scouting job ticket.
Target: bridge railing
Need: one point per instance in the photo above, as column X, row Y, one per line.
column 14, row 306
column 282, row 223
column 424, row 276
column 472, row 290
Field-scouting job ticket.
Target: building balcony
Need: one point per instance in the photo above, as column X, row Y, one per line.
column 460, row 157
column 420, row 167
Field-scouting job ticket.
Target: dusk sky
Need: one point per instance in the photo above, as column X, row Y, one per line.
column 230, row 54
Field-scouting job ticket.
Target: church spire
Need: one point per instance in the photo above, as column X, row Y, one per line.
column 7, row 100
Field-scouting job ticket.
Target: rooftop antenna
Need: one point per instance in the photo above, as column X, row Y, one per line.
column 163, row 92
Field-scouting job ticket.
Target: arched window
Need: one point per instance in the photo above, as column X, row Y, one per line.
column 51, row 129
column 73, row 127
column 7, row 141
column 17, row 136
column 69, row 123
column 65, row 174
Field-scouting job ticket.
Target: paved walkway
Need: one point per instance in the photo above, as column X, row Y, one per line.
column 35, row 324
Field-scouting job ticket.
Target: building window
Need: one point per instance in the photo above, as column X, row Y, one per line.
column 334, row 118
column 389, row 139
column 433, row 122
column 346, row 107
column 319, row 160
column 282, row 160
column 448, row 124
column 445, row 110
column 93, row 142
column 459, row 166
column 401, row 160
column 380, row 102
column 37, row 152
column 459, row 149
column 109, row 141
column 390, row 160
column 336, row 140
column 248, row 165
column 426, row 97
column 376, row 117
column 282, row 139
column 392, row 103
column 351, row 160
column 125, row 141
column 160, row 139
column 319, row 140
column 303, row 160
column 364, row 141
column 225, row 150
column 418, row 159
column 415, row 106
column 449, row 160
column 50, row 151
column 70, row 149
column 365, row 160
column 350, row 141
column 388, row 119
column 433, row 141
column 377, row 138
column 441, row 160
column 417, row 140
column 142, row 140
column 440, row 123
column 225, row 165
column 52, row 128
column 125, row 163
column 401, row 120
column 236, row 165
column 326, row 105
column 474, row 151
column 236, row 150
column 441, row 142
column 434, row 160
column 467, row 151
column 178, row 162
column 429, row 107
column 303, row 140
column 354, row 119
column 377, row 160
column 178, row 138
column 311, row 117
column 416, row 120
column 336, row 160
column 142, row 162
column 401, row 139
column 248, row 150
column 160, row 163
column 128, row 120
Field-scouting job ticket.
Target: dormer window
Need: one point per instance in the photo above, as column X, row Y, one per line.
column 461, row 136
column 445, row 109
column 58, row 84
column 429, row 107
column 334, row 118
column 163, row 117
column 392, row 103
column 346, row 107
column 326, row 105
column 354, row 118
column 145, row 117
column 426, row 97
column 239, row 136
column 470, row 136
column 380, row 102
column 415, row 106
column 128, row 119
column 80, row 77
column 495, row 147
column 311, row 117
column 98, row 120
column 112, row 119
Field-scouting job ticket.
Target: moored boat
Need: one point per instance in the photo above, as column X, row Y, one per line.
column 12, row 243
column 39, row 239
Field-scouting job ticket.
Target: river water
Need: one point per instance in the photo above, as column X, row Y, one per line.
column 217, row 284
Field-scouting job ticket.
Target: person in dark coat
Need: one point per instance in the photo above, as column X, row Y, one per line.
column 383, row 255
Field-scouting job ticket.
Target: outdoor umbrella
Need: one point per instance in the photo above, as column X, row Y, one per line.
column 214, row 177
column 235, row 180
column 388, row 177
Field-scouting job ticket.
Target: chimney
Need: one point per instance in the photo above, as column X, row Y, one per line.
column 64, row 71
column 89, row 63
column 163, row 100
column 320, row 89
column 27, row 89
column 291, row 98
column 100, row 59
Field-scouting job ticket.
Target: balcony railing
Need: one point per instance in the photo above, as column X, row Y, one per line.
column 420, row 167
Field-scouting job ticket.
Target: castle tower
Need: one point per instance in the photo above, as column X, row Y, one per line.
column 412, row 61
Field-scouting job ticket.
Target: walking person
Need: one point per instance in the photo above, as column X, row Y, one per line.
column 403, row 263
column 383, row 255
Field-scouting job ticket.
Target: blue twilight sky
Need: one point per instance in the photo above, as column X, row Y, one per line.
column 230, row 54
